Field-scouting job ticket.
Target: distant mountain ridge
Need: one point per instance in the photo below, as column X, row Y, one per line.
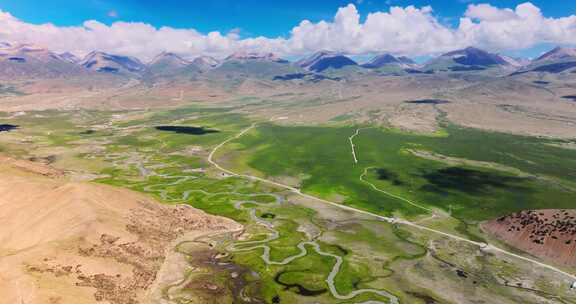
column 28, row 60
column 556, row 61
column 70, row 57
column 468, row 59
column 243, row 56
column 109, row 63
column 475, row 56
column 242, row 65
column 169, row 65
column 383, row 60
column 206, row 63
column 558, row 53
column 169, row 58
column 324, row 60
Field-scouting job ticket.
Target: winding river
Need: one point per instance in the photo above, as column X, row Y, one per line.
column 146, row 169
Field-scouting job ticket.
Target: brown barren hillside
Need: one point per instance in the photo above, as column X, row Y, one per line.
column 64, row 242
column 548, row 234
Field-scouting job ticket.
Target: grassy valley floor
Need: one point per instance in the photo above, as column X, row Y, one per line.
column 298, row 250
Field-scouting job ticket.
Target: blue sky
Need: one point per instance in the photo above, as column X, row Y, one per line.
column 253, row 17
column 509, row 26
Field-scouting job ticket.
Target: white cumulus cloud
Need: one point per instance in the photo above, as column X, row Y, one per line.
column 400, row 30
column 522, row 27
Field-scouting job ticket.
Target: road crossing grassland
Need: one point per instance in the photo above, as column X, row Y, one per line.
column 171, row 183
column 394, row 220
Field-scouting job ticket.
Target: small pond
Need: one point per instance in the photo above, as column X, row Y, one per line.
column 186, row 130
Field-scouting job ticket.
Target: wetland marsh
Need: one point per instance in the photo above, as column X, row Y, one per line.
column 293, row 249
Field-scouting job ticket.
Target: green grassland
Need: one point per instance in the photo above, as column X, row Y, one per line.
column 126, row 150
column 323, row 154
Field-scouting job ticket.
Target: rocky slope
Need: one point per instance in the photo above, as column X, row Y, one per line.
column 64, row 242
column 548, row 234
